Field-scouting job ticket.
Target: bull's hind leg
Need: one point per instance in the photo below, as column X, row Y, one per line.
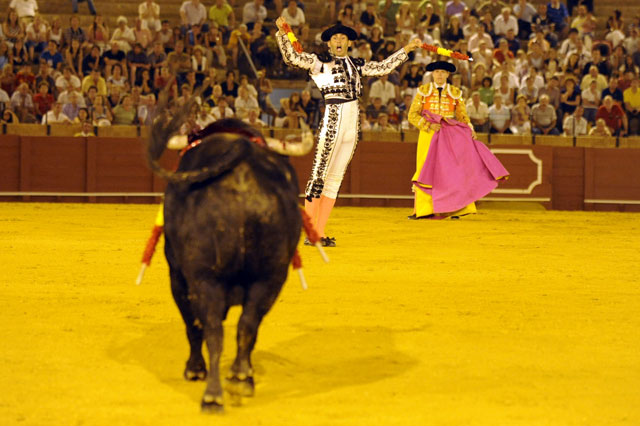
column 261, row 297
column 212, row 306
column 196, row 368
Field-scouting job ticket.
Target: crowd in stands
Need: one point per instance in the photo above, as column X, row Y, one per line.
column 543, row 69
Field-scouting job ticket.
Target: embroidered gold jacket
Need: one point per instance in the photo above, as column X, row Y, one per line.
column 449, row 104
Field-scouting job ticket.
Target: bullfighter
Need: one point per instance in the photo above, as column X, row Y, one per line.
column 339, row 78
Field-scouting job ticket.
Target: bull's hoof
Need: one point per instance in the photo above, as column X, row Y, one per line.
column 195, row 370
column 240, row 385
column 212, row 404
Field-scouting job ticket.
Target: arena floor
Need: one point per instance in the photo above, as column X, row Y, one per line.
column 510, row 317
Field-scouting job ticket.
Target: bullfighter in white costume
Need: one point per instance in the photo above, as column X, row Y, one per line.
column 338, row 76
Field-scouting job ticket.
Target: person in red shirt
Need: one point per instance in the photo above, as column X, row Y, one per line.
column 43, row 100
column 614, row 116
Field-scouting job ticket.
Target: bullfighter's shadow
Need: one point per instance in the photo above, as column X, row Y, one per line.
column 318, row 360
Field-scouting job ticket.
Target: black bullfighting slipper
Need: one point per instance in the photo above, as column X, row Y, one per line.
column 307, row 242
column 412, row 217
column 328, row 242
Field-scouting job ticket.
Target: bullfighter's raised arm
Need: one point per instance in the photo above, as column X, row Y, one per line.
column 306, row 61
column 376, row 69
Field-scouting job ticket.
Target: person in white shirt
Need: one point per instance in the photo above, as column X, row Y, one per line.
column 25, row 9
column 478, row 113
column 254, row 11
column 244, row 102
column 253, row 119
column 384, row 89
column 499, row 116
column 193, row 12
column 55, row 115
column 67, row 80
column 222, row 110
column 505, row 69
column 505, row 21
column 149, row 14
column 575, row 124
column 293, row 15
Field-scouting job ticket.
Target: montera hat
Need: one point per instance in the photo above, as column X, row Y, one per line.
column 339, row 29
column 441, row 65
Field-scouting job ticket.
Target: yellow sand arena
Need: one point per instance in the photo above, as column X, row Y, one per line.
column 509, row 317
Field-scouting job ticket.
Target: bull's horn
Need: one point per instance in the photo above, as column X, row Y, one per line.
column 177, row 142
column 294, row 149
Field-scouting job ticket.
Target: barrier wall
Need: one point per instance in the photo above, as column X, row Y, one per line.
column 553, row 172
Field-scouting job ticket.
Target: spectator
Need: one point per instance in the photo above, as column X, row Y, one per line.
column 570, row 98
column 72, row 107
column 52, row 56
column 253, row 119
column 604, row 67
column 192, row 12
column 55, row 115
column 165, row 36
column 118, row 77
column 81, row 117
column 9, row 116
column 512, row 42
column 179, row 62
column 100, row 114
column 90, row 96
column 584, row 22
column 631, row 98
column 453, row 34
column 294, row 15
column 92, row 7
column 614, row 117
column 125, row 113
column 123, row 35
column 629, row 65
column 12, row 29
column 137, row 61
column 502, row 52
column 524, row 12
column 229, row 86
column 346, row 16
column 92, row 61
column 244, row 102
column 67, row 80
column 98, row 32
column 253, row 11
column 85, row 131
column 221, row 13
column 94, row 79
column 600, row 79
column 405, row 21
column 221, row 110
column 529, row 91
column 591, row 101
column 499, row 117
column 575, row 124
column 147, row 110
column 240, row 33
column 570, row 44
column 504, row 22
column 157, row 59
column 73, row 57
column 37, row 35
column 5, row 54
column 142, row 35
column 369, row 18
column 543, row 118
column 478, row 112
column 624, row 82
column 382, row 124
column 74, row 32
column 19, row 55
column 432, row 20
column 44, row 75
column 558, row 15
column 600, row 129
column 552, row 91
column 483, row 54
column 520, row 123
column 43, row 100
column 26, row 10
column 149, row 14
column 544, row 26
column 375, row 108
column 487, row 92
column 494, row 7
column 383, row 89
column 505, row 92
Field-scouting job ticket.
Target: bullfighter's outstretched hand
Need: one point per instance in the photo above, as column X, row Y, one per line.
column 413, row 45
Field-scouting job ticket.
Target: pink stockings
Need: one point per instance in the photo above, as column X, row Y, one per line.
column 319, row 210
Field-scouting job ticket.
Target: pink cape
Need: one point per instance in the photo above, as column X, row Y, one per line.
column 459, row 169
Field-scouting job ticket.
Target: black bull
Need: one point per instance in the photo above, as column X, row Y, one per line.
column 232, row 223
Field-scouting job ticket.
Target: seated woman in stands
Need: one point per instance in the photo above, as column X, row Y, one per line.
column 125, row 113
column 100, row 113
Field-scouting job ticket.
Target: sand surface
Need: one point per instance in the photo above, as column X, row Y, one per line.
column 510, row 317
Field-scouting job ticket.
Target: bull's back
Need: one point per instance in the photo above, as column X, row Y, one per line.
column 238, row 224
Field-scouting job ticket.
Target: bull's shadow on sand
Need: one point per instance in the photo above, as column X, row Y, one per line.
column 318, row 360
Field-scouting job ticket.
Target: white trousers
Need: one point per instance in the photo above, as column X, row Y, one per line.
column 337, row 140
